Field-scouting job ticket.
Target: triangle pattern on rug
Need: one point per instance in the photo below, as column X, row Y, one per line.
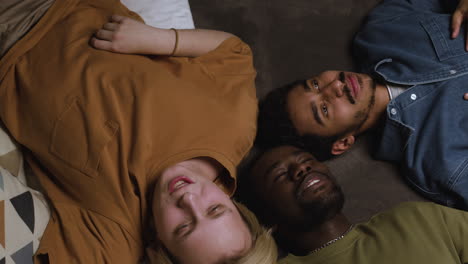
column 17, row 235
column 24, row 255
column 24, row 206
column 2, row 253
column 1, row 181
column 2, row 223
column 9, row 260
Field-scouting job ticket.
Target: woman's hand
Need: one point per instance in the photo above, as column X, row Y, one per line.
column 125, row 35
column 458, row 18
column 465, row 96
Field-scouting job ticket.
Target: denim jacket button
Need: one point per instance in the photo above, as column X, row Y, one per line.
column 393, row 111
column 413, row 97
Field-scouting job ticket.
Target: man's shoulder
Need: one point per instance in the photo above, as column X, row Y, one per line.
column 412, row 205
column 410, row 210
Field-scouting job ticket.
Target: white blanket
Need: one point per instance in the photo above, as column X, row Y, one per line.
column 163, row 13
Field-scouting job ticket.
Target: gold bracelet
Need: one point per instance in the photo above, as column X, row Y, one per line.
column 176, row 41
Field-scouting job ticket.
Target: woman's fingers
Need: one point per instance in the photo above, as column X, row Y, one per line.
column 101, row 44
column 110, row 26
column 457, row 20
column 465, row 96
column 122, row 35
column 117, row 18
column 104, row 34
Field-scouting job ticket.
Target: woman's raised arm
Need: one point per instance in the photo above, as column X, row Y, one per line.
column 125, row 35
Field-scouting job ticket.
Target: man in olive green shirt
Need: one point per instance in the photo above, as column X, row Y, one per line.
column 298, row 196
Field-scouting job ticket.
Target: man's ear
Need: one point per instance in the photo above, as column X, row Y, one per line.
column 342, row 145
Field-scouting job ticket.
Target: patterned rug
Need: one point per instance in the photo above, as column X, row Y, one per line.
column 24, row 212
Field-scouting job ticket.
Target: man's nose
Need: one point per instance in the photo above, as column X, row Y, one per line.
column 299, row 171
column 334, row 89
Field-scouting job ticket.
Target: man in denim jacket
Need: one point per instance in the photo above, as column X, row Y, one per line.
column 413, row 86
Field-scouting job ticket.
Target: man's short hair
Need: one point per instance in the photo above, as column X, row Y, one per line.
column 276, row 128
column 246, row 192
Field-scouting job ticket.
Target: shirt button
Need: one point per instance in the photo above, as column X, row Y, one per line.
column 413, row 97
column 453, row 71
column 393, row 111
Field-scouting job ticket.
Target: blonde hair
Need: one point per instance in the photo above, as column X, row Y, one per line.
column 263, row 249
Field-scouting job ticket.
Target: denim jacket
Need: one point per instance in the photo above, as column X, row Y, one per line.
column 426, row 127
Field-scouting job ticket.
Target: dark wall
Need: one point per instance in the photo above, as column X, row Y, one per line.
column 290, row 39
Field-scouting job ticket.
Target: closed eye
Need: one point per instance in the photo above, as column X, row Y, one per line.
column 216, row 210
column 182, row 229
column 280, row 174
column 305, row 160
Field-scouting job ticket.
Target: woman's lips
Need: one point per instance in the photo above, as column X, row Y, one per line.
column 178, row 183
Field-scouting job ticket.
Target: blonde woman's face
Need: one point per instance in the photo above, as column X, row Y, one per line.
column 194, row 218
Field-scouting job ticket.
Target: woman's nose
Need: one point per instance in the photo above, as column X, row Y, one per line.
column 187, row 201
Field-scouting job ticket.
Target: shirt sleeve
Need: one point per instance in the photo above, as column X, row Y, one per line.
column 231, row 57
column 457, row 225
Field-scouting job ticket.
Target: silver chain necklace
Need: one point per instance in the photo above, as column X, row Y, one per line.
column 332, row 241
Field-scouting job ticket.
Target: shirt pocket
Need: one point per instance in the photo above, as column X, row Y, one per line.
column 439, row 30
column 79, row 136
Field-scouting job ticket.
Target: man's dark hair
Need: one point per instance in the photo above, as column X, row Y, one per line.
column 276, row 128
column 246, row 192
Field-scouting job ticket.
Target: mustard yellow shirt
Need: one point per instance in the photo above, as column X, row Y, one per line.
column 99, row 126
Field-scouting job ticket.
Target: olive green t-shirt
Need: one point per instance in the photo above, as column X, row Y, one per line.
column 411, row 233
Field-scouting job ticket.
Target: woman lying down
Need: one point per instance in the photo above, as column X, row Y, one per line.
column 123, row 142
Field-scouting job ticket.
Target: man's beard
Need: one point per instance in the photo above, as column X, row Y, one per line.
column 364, row 115
column 319, row 211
